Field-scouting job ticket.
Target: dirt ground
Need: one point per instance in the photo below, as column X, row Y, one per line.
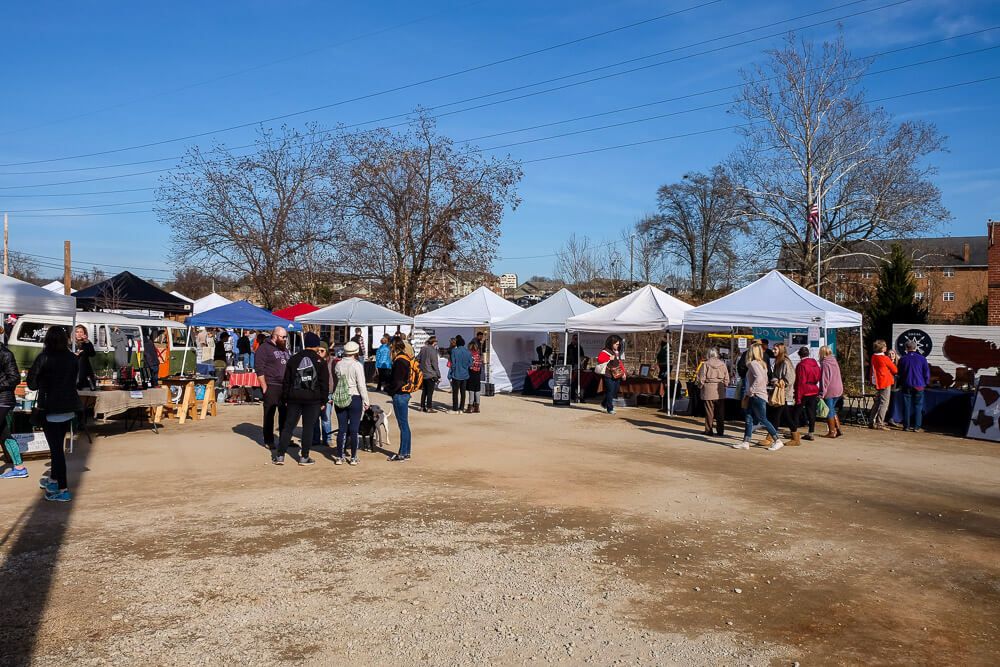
column 525, row 534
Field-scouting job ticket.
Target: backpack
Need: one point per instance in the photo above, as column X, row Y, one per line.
column 305, row 377
column 342, row 393
column 416, row 379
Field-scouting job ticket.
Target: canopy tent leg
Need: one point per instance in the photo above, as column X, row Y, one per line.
column 861, row 349
column 677, row 372
column 187, row 346
column 670, row 397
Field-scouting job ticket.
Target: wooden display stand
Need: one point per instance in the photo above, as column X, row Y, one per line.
column 188, row 406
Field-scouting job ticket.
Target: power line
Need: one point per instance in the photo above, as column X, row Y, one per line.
column 636, row 121
column 78, row 194
column 83, row 215
column 83, row 261
column 247, row 70
column 394, row 89
column 606, row 148
column 519, row 97
column 659, row 139
column 73, row 208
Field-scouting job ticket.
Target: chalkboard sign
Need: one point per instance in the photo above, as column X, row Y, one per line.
column 562, row 384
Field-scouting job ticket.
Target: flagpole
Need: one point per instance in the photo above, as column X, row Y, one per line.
column 819, row 242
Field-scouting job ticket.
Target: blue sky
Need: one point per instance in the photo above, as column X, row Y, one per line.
column 89, row 77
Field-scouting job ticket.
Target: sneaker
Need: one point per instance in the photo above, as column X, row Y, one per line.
column 406, row 458
column 740, row 445
column 15, row 473
column 59, row 496
column 353, row 461
column 278, row 460
column 339, row 461
column 807, row 436
column 395, row 457
column 43, row 482
column 776, row 445
column 51, row 487
column 306, row 461
column 611, row 411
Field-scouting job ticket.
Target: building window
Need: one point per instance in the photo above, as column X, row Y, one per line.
column 949, row 273
column 866, row 274
column 949, row 296
column 919, row 296
column 840, row 296
column 918, row 274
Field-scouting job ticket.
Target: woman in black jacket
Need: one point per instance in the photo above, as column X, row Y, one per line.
column 54, row 376
column 84, row 353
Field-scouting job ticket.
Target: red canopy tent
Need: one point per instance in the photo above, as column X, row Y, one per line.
column 292, row 312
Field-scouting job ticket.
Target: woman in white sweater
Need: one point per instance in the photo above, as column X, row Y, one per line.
column 756, row 391
column 351, row 371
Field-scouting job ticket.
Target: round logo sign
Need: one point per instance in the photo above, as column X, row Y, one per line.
column 923, row 341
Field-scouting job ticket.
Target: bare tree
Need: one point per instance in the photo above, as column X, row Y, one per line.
column 415, row 206
column 813, row 139
column 111, row 296
column 647, row 262
column 578, row 262
column 698, row 224
column 265, row 215
column 22, row 267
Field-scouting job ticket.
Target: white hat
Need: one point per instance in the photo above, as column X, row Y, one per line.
column 351, row 348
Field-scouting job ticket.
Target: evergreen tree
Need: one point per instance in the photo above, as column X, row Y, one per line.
column 895, row 298
column 977, row 312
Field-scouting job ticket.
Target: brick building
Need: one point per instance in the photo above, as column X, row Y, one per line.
column 950, row 273
column 993, row 285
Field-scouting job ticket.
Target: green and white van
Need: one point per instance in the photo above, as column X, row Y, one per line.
column 170, row 338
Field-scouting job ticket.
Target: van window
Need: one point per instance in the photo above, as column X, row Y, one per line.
column 102, row 336
column 178, row 337
column 32, row 332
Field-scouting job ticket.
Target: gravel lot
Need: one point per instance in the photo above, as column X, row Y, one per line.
column 525, row 534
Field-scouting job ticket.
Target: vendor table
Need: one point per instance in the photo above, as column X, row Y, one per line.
column 238, row 379
column 536, row 382
column 112, row 402
column 634, row 386
column 188, row 404
column 947, row 410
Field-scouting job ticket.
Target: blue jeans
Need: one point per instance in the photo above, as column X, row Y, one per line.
column 610, row 392
column 757, row 412
column 348, row 422
column 323, row 427
column 913, row 405
column 401, row 408
column 245, row 360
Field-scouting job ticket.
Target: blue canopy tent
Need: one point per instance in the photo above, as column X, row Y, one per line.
column 237, row 315
column 240, row 315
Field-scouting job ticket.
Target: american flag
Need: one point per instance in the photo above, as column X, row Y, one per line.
column 814, row 220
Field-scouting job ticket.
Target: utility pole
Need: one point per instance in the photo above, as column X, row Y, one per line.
column 631, row 263
column 67, row 269
column 6, row 255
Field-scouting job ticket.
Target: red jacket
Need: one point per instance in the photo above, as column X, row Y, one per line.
column 807, row 377
column 883, row 371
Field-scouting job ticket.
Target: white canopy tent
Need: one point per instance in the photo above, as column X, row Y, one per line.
column 17, row 296
column 773, row 301
column 546, row 316
column 55, row 286
column 646, row 309
column 355, row 311
column 209, row 302
column 480, row 310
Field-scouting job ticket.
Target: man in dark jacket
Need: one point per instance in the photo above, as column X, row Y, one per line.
column 271, row 358
column 244, row 349
column 305, row 389
column 914, row 375
column 10, row 376
column 151, row 359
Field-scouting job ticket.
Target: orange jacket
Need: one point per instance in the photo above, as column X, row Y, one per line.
column 883, row 371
